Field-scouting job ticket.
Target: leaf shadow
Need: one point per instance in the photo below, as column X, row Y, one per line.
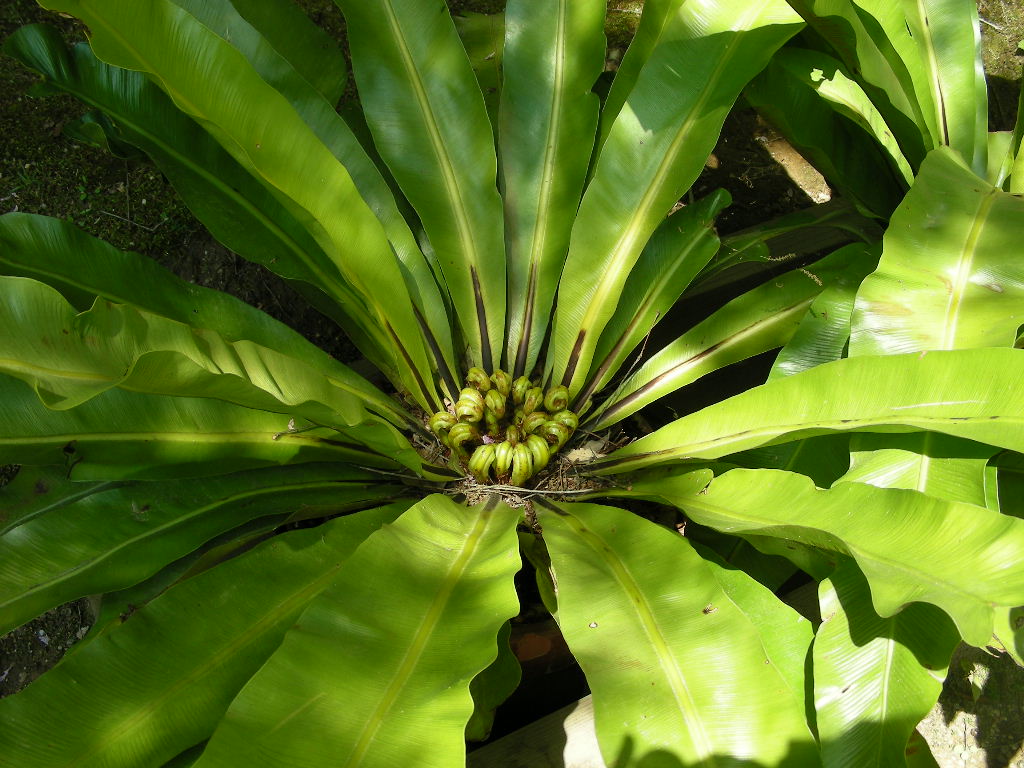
column 984, row 694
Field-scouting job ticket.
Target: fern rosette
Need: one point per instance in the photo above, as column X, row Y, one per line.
column 285, row 562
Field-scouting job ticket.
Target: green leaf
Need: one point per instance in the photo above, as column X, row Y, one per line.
column 312, row 52
column 678, row 250
column 1009, row 467
column 1000, row 158
column 492, row 686
column 262, row 131
column 119, row 435
column 377, row 670
column 871, row 38
column 654, row 152
column 874, row 678
column 962, row 558
column 655, row 16
column 93, row 127
column 319, row 114
column 68, row 358
column 938, row 391
column 785, row 634
column 667, row 485
column 842, row 93
column 948, row 41
column 739, row 554
column 82, row 267
column 531, row 546
column 830, row 120
column 236, row 208
column 1015, row 183
column 824, row 459
column 429, row 124
column 825, row 330
column 944, row 280
column 676, row 651
column 187, row 758
column 759, row 249
column 145, row 692
column 483, row 37
column 919, row 752
column 939, row 465
column 1009, row 632
column 761, row 319
column 72, row 539
column 553, row 54
column 112, row 609
column 647, row 484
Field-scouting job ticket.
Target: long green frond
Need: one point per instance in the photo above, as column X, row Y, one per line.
column 147, row 691
column 377, row 670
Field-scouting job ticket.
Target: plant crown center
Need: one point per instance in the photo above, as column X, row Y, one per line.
column 503, row 429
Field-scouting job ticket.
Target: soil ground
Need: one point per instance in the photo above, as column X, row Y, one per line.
column 979, row 720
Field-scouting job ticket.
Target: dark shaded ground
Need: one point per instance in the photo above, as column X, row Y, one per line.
column 979, row 720
column 32, row 649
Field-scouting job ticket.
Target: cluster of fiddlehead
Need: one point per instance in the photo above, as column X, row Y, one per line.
column 505, row 429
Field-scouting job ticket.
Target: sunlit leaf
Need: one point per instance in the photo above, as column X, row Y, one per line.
column 936, row 391
column 676, row 651
column 262, row 131
column 82, row 267
column 874, row 678
column 142, row 694
column 962, row 558
column 429, row 124
column 944, row 280
column 761, row 319
column 553, row 53
column 654, row 152
column 69, row 358
column 119, row 435
column 414, row 636
column 679, row 248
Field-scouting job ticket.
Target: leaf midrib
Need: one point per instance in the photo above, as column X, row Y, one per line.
column 541, row 229
column 225, row 189
column 631, row 232
column 962, row 277
column 912, row 424
column 168, row 525
column 617, row 353
column 672, row 373
column 886, row 675
column 10, row 365
column 453, row 189
column 64, row 501
column 258, row 438
column 289, row 403
column 934, row 79
column 327, row 282
column 231, row 650
column 677, row 680
column 420, row 640
column 937, row 583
